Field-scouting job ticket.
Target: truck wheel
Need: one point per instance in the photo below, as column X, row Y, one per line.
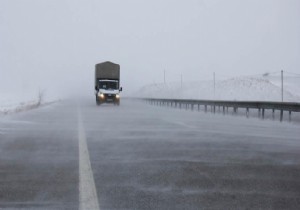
column 97, row 101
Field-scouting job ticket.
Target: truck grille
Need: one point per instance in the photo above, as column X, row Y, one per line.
column 109, row 96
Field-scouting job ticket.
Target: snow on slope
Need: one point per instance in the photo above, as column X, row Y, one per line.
column 11, row 102
column 258, row 88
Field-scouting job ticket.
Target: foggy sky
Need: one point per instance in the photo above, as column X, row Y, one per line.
column 55, row 44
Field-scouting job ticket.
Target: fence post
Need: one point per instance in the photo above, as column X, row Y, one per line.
column 281, row 115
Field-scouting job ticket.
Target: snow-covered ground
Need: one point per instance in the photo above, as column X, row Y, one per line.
column 249, row 88
column 11, row 102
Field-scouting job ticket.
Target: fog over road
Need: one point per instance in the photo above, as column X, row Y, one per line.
column 135, row 156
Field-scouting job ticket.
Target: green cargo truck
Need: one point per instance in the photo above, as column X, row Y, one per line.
column 107, row 83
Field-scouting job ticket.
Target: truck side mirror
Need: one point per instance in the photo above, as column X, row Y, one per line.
column 96, row 88
column 121, row 88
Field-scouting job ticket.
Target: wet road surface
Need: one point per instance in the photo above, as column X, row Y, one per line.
column 136, row 156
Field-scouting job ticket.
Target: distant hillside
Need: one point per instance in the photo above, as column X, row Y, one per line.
column 260, row 88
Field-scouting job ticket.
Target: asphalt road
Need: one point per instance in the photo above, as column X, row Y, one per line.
column 79, row 156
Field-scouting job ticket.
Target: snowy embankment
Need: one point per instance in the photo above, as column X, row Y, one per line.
column 14, row 102
column 241, row 89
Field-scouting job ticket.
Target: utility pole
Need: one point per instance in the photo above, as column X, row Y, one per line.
column 181, row 81
column 214, row 85
column 282, row 85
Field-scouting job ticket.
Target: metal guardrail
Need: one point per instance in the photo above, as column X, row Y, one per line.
column 261, row 106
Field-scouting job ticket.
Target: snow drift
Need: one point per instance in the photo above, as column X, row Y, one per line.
column 260, row 88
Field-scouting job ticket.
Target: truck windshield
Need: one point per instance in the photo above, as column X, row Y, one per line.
column 108, row 85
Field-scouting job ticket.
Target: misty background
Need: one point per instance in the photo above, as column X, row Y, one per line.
column 54, row 45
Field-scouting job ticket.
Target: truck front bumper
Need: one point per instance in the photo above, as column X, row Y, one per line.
column 109, row 98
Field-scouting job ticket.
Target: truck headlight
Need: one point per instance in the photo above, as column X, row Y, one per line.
column 117, row 96
column 101, row 95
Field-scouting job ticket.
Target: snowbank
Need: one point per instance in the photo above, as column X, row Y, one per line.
column 16, row 102
column 260, row 88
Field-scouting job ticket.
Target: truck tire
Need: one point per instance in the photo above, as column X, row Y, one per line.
column 97, row 101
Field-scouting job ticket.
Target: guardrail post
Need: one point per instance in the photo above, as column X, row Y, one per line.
column 247, row 112
column 205, row 107
column 273, row 114
column 263, row 113
column 258, row 112
column 290, row 116
column 198, row 107
column 281, row 115
column 234, row 110
column 179, row 105
column 223, row 110
column 192, row 107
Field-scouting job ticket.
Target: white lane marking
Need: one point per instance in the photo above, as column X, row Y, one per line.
column 88, row 198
